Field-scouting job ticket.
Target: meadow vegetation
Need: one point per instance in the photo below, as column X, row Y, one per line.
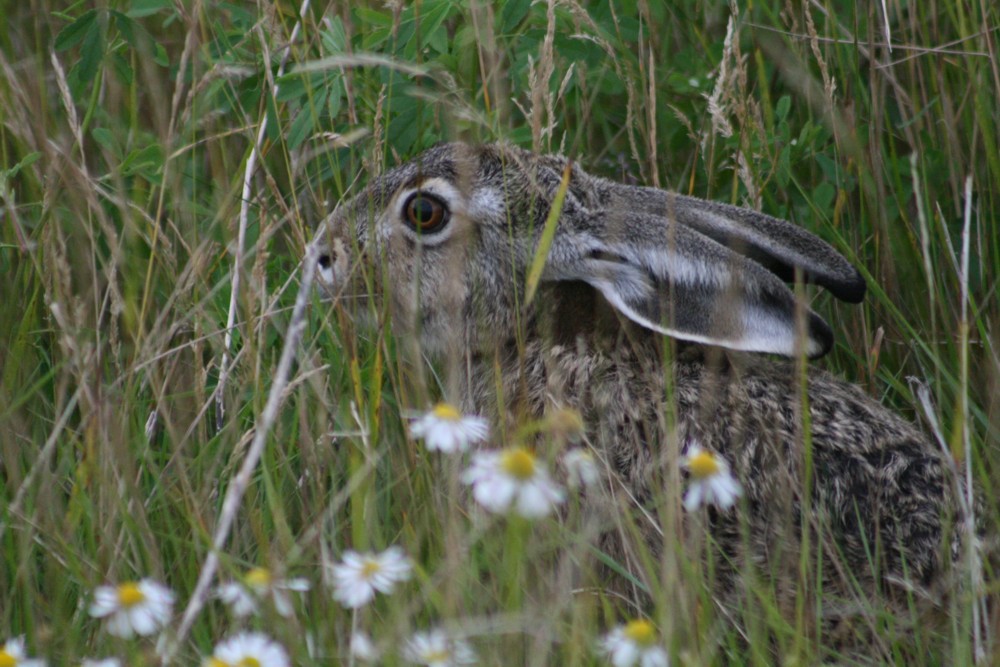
column 164, row 164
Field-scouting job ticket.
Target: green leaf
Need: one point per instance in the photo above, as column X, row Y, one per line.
column 73, row 34
column 141, row 8
column 145, row 162
column 373, row 16
column 122, row 69
column 335, row 39
column 548, row 233
column 160, row 55
column 512, row 14
column 784, row 104
column 127, row 27
column 105, row 139
column 26, row 161
column 301, row 128
column 438, row 40
column 335, row 96
column 91, row 53
column 139, row 38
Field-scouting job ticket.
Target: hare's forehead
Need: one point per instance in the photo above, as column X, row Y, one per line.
column 471, row 195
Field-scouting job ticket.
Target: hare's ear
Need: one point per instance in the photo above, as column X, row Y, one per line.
column 677, row 281
column 777, row 245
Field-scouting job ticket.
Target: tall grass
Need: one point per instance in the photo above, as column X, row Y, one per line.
column 162, row 167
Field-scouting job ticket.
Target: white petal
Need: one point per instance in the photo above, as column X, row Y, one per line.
column 693, row 497
column 533, row 502
column 654, row 657
column 14, row 647
column 142, row 620
column 119, row 626
column 495, row 494
column 105, row 601
column 362, row 647
column 298, row 584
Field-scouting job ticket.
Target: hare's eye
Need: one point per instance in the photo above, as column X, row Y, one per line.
column 425, row 213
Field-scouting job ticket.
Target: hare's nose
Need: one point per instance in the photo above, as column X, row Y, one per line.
column 331, row 262
column 325, row 265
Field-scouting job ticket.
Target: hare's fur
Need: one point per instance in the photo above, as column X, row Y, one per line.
column 627, row 265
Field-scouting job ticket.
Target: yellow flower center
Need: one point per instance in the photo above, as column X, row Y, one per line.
column 7, row 660
column 440, row 656
column 258, row 577
column 249, row 661
column 641, row 632
column 215, row 662
column 447, row 412
column 518, row 463
column 703, row 464
column 370, row 568
column 129, row 595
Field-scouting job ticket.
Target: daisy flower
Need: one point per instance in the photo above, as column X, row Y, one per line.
column 258, row 583
column 248, row 649
column 12, row 654
column 581, row 468
column 635, row 643
column 711, row 481
column 358, row 576
column 104, row 662
column 437, row 649
column 446, row 429
column 139, row 608
column 512, row 479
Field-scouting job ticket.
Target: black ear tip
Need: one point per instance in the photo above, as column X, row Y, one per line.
column 853, row 291
column 851, row 288
column 820, row 337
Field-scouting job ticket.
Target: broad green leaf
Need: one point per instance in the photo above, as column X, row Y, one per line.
column 141, row 8
column 301, row 128
column 106, row 139
column 122, row 68
column 74, row 33
column 91, row 53
column 784, row 105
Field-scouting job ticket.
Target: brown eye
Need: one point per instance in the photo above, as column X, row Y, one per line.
column 425, row 213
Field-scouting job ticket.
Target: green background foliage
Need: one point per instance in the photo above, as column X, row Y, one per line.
column 125, row 133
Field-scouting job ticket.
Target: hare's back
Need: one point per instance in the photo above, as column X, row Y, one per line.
column 880, row 488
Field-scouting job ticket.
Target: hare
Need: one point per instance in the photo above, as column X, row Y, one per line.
column 445, row 243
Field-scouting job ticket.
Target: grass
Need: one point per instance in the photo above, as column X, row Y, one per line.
column 125, row 138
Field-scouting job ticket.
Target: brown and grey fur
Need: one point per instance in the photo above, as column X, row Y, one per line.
column 883, row 498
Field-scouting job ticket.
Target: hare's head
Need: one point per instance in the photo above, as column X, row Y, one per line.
column 445, row 242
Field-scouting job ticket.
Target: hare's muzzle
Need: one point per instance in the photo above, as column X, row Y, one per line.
column 331, row 267
column 338, row 274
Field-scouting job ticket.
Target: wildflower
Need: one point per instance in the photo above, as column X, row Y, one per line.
column 104, row 662
column 359, row 575
column 12, row 654
column 258, row 584
column 635, row 643
column 362, row 648
column 446, row 429
column 140, row 608
column 513, row 479
column 581, row 468
column 437, row 649
column 248, row 649
column 711, row 481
